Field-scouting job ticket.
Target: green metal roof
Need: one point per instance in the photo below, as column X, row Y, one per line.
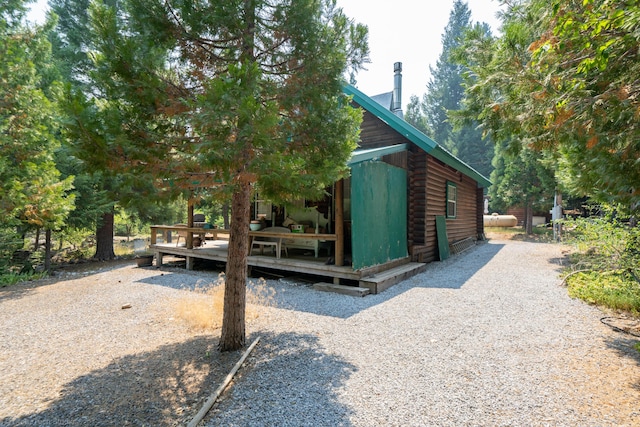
column 414, row 135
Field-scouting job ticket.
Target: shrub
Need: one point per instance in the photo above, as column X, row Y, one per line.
column 605, row 268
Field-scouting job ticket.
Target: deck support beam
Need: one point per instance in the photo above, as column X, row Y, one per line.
column 190, row 224
column 339, row 215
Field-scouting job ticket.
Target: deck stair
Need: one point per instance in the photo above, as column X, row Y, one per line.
column 354, row 291
column 385, row 279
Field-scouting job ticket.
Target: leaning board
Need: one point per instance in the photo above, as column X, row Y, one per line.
column 443, row 240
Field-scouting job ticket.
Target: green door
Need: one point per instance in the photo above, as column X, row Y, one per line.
column 378, row 213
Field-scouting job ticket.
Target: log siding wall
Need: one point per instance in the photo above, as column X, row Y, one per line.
column 374, row 133
column 417, row 188
column 427, row 188
column 429, row 202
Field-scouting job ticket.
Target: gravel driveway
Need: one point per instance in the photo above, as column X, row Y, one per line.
column 487, row 338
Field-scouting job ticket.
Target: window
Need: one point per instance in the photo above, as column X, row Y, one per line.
column 452, row 200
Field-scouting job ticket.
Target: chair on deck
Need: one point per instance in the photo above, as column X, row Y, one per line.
column 273, row 242
column 180, row 233
column 199, row 222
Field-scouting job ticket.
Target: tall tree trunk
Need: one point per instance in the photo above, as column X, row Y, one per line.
column 233, row 321
column 528, row 215
column 36, row 245
column 104, row 238
column 225, row 215
column 47, row 250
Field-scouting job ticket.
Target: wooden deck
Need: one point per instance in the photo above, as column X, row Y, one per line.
column 217, row 250
column 376, row 279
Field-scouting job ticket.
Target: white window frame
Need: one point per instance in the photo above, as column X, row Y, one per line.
column 452, row 200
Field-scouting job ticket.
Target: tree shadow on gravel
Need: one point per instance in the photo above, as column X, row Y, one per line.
column 289, row 380
column 18, row 291
column 540, row 235
column 623, row 345
column 165, row 387
column 561, row 263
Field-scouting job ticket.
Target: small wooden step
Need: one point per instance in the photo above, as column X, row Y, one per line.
column 385, row 279
column 341, row 289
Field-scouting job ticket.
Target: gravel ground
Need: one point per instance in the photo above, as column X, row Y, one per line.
column 488, row 337
column 70, row 355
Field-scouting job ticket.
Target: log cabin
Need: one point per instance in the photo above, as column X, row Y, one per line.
column 408, row 201
column 410, row 186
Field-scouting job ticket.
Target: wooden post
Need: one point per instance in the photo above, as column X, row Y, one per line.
column 190, row 224
column 339, row 200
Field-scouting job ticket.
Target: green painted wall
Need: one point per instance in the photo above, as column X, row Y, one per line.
column 378, row 213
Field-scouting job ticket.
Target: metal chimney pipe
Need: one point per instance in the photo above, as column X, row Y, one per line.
column 396, row 106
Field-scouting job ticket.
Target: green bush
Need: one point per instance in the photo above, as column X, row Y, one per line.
column 605, row 268
column 605, row 245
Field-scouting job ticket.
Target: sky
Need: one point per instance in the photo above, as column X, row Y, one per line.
column 407, row 31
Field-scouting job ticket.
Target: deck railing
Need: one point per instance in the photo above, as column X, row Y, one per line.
column 223, row 234
column 188, row 232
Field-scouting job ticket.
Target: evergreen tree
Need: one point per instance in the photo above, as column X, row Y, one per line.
column 586, row 100
column 243, row 94
column 32, row 194
column 523, row 176
column 436, row 114
column 444, row 89
column 414, row 115
column 100, row 191
column 562, row 79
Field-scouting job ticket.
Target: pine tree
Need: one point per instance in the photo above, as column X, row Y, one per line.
column 523, row 176
column 244, row 94
column 101, row 191
column 436, row 114
column 444, row 90
column 415, row 116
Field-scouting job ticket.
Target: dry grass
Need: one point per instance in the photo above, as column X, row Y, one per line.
column 202, row 309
